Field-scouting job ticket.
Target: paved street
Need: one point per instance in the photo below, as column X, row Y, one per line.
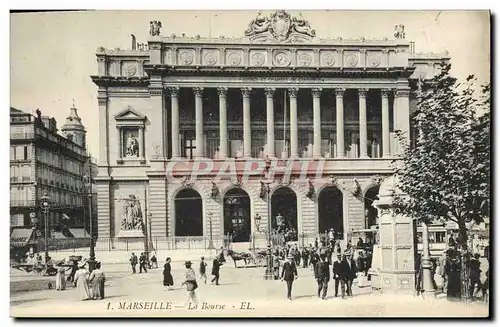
column 266, row 298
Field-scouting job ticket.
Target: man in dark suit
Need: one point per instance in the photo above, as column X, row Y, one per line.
column 289, row 274
column 305, row 257
column 350, row 271
column 337, row 275
column 133, row 262
column 322, row 275
column 215, row 270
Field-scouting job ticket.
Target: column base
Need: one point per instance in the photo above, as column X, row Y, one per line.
column 364, row 156
column 340, row 156
column 387, row 156
column 317, row 156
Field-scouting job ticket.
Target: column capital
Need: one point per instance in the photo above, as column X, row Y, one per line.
column 362, row 92
column 222, row 91
column 269, row 91
column 339, row 92
column 246, row 91
column 173, row 91
column 385, row 92
column 293, row 92
column 402, row 93
column 316, row 92
column 198, row 91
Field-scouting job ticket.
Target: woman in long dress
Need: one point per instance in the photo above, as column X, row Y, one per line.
column 61, row 279
column 168, row 280
column 82, row 284
column 96, row 282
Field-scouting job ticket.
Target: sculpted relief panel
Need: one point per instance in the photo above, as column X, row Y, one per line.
column 210, row 57
column 304, row 58
column 373, row 59
column 257, row 58
column 351, row 59
column 234, row 58
column 282, row 58
column 186, row 56
column 328, row 59
column 129, row 68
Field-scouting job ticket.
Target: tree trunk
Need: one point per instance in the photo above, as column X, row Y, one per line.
column 462, row 234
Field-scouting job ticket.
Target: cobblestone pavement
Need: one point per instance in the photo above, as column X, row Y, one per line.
column 242, row 292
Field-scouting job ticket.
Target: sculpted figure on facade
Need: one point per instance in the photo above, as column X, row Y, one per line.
column 279, row 26
column 399, row 31
column 132, row 149
column 154, row 27
column 131, row 214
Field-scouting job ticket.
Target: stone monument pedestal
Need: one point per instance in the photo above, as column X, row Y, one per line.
column 394, row 255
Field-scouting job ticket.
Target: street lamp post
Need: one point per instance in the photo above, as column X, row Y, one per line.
column 45, row 207
column 88, row 179
column 151, row 247
column 426, row 262
column 211, row 241
column 34, row 225
column 269, row 267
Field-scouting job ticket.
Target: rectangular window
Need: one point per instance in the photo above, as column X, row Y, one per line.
column 12, row 153
column 25, row 153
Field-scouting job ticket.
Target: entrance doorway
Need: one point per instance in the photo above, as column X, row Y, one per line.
column 284, row 205
column 188, row 213
column 331, row 211
column 370, row 211
column 237, row 215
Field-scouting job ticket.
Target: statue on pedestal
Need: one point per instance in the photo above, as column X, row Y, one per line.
column 154, row 28
column 132, row 149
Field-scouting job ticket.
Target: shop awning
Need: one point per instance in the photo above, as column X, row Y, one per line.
column 20, row 237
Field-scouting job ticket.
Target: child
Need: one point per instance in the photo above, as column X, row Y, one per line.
column 203, row 269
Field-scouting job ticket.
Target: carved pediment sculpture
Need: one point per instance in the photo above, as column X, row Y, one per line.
column 187, row 182
column 279, row 27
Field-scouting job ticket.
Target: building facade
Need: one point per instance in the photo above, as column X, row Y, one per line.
column 193, row 129
column 44, row 162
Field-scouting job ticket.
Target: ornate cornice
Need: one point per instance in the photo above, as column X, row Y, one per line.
column 120, row 80
column 400, row 93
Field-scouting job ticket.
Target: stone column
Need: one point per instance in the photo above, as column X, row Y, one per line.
column 316, row 93
column 363, row 150
column 222, row 91
column 403, row 111
column 339, row 94
column 294, row 130
column 174, row 96
column 102, row 99
column 386, row 147
column 198, row 103
column 270, row 121
column 247, row 129
column 141, row 143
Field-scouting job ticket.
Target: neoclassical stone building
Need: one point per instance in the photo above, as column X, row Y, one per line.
column 325, row 108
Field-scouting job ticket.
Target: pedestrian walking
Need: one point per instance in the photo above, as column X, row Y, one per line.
column 81, row 283
column 203, row 269
column 154, row 261
column 190, row 283
column 305, row 257
column 216, row 271
column 61, row 279
column 337, row 273
column 143, row 260
column 360, row 265
column 168, row 280
column 289, row 274
column 96, row 283
column 322, row 275
column 474, row 276
column 350, row 271
column 452, row 270
column 133, row 262
column 276, row 265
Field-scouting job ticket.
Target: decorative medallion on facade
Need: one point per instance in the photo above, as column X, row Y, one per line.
column 279, row 27
column 351, row 60
column 305, row 59
column 258, row 59
column 373, row 60
column 234, row 58
column 328, row 59
column 186, row 57
column 130, row 70
column 210, row 58
column 282, row 58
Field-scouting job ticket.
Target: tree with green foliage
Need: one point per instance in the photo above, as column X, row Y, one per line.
column 446, row 174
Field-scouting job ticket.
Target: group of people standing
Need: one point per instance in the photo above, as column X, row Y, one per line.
column 89, row 285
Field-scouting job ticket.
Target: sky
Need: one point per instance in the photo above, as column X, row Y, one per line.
column 52, row 55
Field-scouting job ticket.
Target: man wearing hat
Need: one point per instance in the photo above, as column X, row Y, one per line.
column 289, row 274
column 338, row 275
column 350, row 271
column 190, row 283
column 322, row 275
column 216, row 270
